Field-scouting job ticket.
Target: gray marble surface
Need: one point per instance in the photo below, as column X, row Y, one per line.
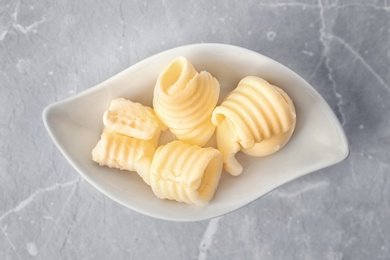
column 51, row 50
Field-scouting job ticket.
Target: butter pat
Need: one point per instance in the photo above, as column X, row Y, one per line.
column 256, row 118
column 184, row 101
column 132, row 119
column 185, row 173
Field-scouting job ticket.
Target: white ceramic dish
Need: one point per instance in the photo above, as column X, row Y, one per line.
column 75, row 126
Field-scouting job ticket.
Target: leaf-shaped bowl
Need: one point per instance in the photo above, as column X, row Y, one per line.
column 319, row 141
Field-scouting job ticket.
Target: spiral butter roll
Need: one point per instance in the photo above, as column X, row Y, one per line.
column 184, row 100
column 116, row 150
column 185, row 173
column 256, row 118
column 132, row 119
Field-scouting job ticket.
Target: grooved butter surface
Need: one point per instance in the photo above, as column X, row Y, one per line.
column 185, row 173
column 256, row 117
column 184, row 100
column 123, row 152
column 132, row 119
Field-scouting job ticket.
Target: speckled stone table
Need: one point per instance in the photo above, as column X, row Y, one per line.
column 51, row 50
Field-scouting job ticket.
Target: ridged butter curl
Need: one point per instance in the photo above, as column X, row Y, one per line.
column 184, row 101
column 120, row 151
column 256, row 117
column 185, row 173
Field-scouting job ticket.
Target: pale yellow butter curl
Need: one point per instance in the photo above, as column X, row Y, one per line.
column 256, row 118
column 184, row 100
column 116, row 150
column 185, row 173
column 132, row 119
